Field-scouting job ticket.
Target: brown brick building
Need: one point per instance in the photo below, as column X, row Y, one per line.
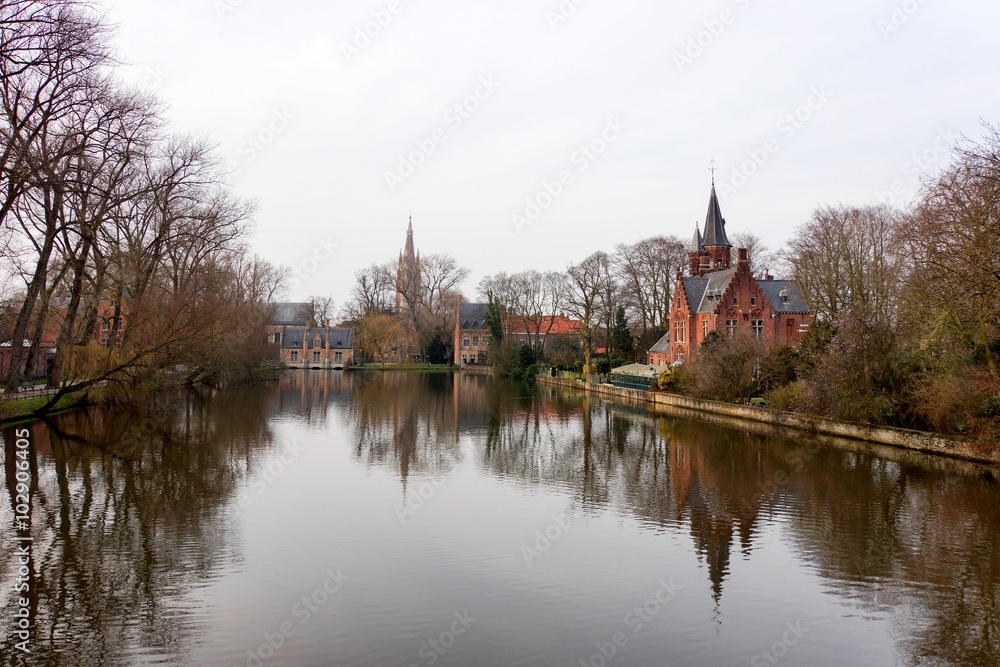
column 717, row 296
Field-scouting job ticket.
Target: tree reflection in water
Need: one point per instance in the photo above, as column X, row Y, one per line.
column 128, row 518
column 129, row 513
column 909, row 536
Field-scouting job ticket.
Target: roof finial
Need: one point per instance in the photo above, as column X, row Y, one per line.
column 713, row 172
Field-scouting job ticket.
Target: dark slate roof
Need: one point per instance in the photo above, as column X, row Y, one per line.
column 339, row 339
column 698, row 289
column 293, row 337
column 342, row 339
column 696, row 245
column 291, row 313
column 796, row 301
column 662, row 346
column 715, row 224
column 472, row 316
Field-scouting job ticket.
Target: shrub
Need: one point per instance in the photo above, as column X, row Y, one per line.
column 668, row 379
column 990, row 407
column 726, row 368
column 864, row 376
column 787, row 398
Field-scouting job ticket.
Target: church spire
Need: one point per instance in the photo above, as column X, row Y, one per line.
column 409, row 252
column 715, row 224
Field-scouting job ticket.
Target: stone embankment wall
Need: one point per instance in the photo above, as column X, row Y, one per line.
column 478, row 370
column 682, row 406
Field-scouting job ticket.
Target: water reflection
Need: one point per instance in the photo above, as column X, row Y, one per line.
column 131, row 514
column 128, row 518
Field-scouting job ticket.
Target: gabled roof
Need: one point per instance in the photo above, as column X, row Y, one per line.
column 662, row 346
column 293, row 337
column 341, row 339
column 291, row 313
column 472, row 315
column 698, row 289
column 792, row 301
column 715, row 224
column 335, row 339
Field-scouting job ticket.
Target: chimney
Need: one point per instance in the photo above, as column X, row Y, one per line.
column 744, row 256
column 767, row 275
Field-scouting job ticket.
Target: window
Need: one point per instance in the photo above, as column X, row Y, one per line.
column 465, row 342
column 106, row 326
column 736, row 300
column 315, row 357
column 295, row 355
column 475, row 341
column 465, row 358
column 338, row 357
column 758, row 329
column 277, row 339
column 731, row 327
column 704, row 328
column 104, row 342
column 753, row 301
column 317, row 342
column 680, row 329
column 118, row 323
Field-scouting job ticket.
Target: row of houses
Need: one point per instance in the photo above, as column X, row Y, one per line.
column 472, row 335
column 300, row 343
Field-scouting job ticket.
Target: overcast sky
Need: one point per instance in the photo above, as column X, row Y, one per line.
column 340, row 118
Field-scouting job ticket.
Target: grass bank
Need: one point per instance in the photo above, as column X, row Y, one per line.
column 17, row 410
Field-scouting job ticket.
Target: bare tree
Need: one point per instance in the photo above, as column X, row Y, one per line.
column 373, row 292
column 441, row 277
column 851, row 258
column 762, row 258
column 51, row 51
column 323, row 310
column 647, row 270
column 955, row 241
column 586, row 287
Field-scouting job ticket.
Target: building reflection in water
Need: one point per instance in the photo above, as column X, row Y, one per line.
column 131, row 511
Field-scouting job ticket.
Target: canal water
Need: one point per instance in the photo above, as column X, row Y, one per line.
column 412, row 519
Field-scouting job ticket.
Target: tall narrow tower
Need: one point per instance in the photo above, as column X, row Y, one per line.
column 408, row 274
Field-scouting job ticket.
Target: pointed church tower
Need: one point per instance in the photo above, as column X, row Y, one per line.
column 407, row 272
column 715, row 243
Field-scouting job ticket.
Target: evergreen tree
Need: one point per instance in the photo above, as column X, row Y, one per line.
column 621, row 337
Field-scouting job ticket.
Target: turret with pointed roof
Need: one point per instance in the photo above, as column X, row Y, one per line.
column 710, row 250
column 715, row 224
column 695, row 251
